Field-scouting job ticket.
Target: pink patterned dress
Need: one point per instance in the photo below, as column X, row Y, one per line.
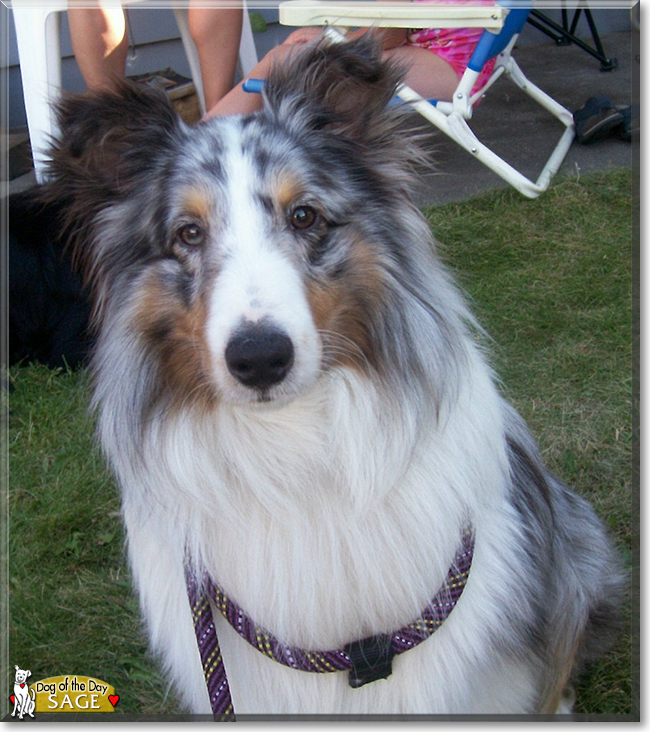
column 454, row 45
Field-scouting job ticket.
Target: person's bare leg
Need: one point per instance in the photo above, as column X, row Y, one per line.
column 217, row 34
column 100, row 43
column 427, row 74
column 237, row 101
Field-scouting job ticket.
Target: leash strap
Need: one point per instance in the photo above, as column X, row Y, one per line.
column 214, row 669
column 368, row 659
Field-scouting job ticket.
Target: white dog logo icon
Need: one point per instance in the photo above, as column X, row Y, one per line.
column 23, row 702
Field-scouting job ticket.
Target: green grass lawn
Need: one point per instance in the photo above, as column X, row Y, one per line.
column 549, row 279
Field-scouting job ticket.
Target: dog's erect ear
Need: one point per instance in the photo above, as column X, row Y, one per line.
column 344, row 87
column 108, row 144
column 108, row 141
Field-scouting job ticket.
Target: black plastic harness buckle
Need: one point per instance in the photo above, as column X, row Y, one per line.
column 371, row 658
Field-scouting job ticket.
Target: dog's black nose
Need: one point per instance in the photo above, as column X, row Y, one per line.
column 259, row 356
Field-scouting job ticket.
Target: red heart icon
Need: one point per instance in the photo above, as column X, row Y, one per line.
column 12, row 698
column 113, row 699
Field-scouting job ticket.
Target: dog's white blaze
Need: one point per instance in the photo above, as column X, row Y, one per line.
column 257, row 282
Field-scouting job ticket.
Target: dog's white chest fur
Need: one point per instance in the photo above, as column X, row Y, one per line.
column 326, row 528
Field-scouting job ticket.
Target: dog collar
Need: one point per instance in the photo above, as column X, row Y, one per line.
column 367, row 660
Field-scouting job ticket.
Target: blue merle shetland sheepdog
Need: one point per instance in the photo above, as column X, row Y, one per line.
column 292, row 399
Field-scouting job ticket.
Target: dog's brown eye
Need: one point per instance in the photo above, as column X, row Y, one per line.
column 303, row 217
column 192, row 235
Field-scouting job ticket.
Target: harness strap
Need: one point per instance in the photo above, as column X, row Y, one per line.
column 368, row 659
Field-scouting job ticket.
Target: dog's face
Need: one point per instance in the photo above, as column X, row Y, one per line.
column 243, row 293
column 248, row 254
column 22, row 675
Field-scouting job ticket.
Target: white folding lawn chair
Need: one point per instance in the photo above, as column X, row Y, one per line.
column 38, row 31
column 501, row 29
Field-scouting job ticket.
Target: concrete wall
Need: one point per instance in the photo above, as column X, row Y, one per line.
column 156, row 46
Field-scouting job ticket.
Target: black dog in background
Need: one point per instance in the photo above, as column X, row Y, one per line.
column 49, row 310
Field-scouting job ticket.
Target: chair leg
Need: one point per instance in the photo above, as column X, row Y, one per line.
column 518, row 77
column 456, row 127
column 247, row 52
column 39, row 49
column 182, row 21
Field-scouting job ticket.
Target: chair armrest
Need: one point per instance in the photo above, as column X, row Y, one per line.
column 365, row 13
